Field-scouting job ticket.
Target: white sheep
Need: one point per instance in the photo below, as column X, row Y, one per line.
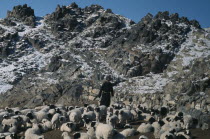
column 157, row 128
column 98, row 114
column 188, row 121
column 113, row 120
column 118, row 135
column 91, row 131
column 90, row 115
column 103, row 110
column 68, row 127
column 104, row 131
column 75, row 116
column 22, row 120
column 145, row 128
column 125, row 115
column 143, row 137
column 12, row 136
column 65, row 135
column 79, row 135
column 9, row 121
column 25, row 111
column 128, row 132
column 185, row 134
column 52, row 111
column 56, row 120
column 41, row 115
column 33, row 132
column 46, row 125
column 167, row 135
column 13, row 129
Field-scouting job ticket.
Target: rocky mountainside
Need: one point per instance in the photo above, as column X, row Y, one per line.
column 64, row 56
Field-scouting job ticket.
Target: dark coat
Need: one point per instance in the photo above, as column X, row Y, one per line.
column 105, row 93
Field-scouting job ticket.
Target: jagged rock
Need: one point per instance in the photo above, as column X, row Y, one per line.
column 23, row 13
column 162, row 15
column 195, row 23
column 92, row 8
column 73, row 5
column 9, row 22
column 147, row 19
column 54, row 64
column 174, row 17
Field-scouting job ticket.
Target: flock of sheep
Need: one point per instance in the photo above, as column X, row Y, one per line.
column 101, row 122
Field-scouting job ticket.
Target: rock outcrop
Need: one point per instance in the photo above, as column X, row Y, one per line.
column 21, row 13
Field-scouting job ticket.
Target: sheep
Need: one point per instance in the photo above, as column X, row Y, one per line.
column 98, row 114
column 125, row 115
column 22, row 120
column 104, row 131
column 79, row 135
column 68, row 127
column 9, row 121
column 75, row 116
column 25, row 111
column 135, row 113
column 163, row 111
column 128, row 132
column 113, row 120
column 46, row 125
column 13, row 129
column 12, row 136
column 38, row 108
column 33, row 132
column 91, row 131
column 157, row 128
column 118, row 135
column 186, row 135
column 109, row 114
column 145, row 128
column 103, row 110
column 176, row 125
column 41, row 115
column 146, row 117
column 89, row 115
column 110, row 109
column 205, row 126
column 57, row 120
column 65, row 135
column 52, row 111
column 167, row 135
column 143, row 137
column 188, row 121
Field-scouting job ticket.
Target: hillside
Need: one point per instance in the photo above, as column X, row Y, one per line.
column 64, row 56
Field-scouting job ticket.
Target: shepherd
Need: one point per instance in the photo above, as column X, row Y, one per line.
column 106, row 92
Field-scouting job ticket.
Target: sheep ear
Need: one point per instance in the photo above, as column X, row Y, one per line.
column 85, row 105
column 77, row 135
column 97, row 109
column 71, row 124
column 93, row 123
column 49, row 115
column 87, row 120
